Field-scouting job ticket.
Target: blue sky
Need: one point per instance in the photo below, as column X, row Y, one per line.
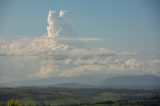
column 129, row 31
column 131, row 25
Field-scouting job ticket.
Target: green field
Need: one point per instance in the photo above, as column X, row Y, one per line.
column 39, row 96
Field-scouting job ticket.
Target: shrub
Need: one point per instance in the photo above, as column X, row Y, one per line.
column 13, row 102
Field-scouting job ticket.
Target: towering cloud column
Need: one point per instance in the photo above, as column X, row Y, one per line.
column 51, row 28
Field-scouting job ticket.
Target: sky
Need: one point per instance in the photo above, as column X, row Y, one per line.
column 125, row 32
column 119, row 23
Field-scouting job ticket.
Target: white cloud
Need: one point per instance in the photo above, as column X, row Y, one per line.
column 81, row 39
column 46, row 56
column 130, row 66
column 44, row 72
column 81, row 70
column 84, row 61
column 62, row 13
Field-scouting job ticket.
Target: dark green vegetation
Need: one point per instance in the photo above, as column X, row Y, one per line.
column 49, row 96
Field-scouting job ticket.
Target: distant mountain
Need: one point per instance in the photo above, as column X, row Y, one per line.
column 118, row 82
column 86, row 80
column 143, row 81
column 72, row 85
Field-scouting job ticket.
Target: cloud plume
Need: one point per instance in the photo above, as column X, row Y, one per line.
column 51, row 28
column 62, row 13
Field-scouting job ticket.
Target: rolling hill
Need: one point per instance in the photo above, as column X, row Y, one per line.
column 143, row 81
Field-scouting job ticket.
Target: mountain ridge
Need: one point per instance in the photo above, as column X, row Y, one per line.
column 132, row 81
column 126, row 81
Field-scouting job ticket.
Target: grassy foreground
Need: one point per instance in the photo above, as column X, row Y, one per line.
column 39, row 96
